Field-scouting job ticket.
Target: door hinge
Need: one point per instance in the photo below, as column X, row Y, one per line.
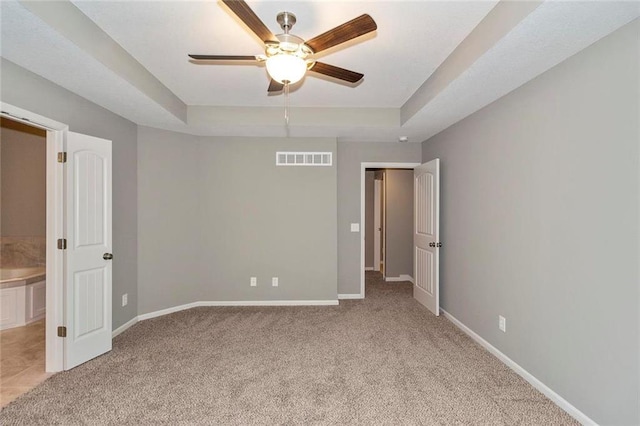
column 62, row 157
column 62, row 331
column 62, row 244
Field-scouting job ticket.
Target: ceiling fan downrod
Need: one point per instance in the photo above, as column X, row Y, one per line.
column 286, row 20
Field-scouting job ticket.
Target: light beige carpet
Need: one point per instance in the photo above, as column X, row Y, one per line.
column 382, row 360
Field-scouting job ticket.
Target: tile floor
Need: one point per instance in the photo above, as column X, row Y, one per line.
column 22, row 360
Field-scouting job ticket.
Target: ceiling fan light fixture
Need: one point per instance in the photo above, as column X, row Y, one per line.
column 286, row 68
column 288, row 56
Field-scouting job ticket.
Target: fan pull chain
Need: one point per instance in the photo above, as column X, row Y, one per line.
column 286, row 103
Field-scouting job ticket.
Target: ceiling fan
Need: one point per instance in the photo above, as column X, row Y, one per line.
column 288, row 57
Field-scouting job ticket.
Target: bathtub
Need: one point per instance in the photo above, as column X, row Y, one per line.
column 22, row 296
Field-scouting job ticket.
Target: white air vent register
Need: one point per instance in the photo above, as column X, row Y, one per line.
column 304, row 158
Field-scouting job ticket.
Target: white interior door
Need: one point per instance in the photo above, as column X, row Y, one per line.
column 377, row 224
column 88, row 233
column 426, row 235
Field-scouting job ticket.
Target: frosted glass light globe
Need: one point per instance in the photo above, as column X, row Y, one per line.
column 285, row 68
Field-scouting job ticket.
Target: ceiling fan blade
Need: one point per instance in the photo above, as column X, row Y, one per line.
column 336, row 72
column 250, row 19
column 274, row 86
column 223, row 58
column 349, row 30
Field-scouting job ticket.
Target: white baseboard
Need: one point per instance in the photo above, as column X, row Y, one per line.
column 167, row 311
column 547, row 391
column 124, row 327
column 350, row 296
column 179, row 308
column 401, row 277
column 368, row 268
column 270, row 303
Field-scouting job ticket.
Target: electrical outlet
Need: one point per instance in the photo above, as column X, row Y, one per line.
column 502, row 323
column 274, row 281
column 125, row 299
column 254, row 281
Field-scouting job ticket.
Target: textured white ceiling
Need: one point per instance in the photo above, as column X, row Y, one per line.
column 553, row 32
column 30, row 43
column 413, row 39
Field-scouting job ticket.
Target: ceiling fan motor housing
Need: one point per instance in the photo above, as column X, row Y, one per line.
column 286, row 20
column 288, row 44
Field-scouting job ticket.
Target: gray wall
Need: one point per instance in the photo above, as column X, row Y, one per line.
column 350, row 156
column 24, row 179
column 26, row 90
column 169, row 220
column 540, row 223
column 399, row 223
column 368, row 218
column 215, row 211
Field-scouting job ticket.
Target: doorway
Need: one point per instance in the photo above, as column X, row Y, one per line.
column 363, row 219
column 378, row 223
column 78, row 242
column 22, row 257
column 374, row 220
column 388, row 223
column 55, row 136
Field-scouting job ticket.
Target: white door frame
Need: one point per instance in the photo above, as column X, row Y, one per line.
column 363, row 168
column 56, row 137
column 377, row 223
column 383, row 223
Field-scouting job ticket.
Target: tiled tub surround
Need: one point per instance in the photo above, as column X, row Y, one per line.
column 22, row 251
column 22, row 280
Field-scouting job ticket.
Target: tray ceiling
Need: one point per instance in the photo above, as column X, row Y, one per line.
column 131, row 58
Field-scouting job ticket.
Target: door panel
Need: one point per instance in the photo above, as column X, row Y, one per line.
column 90, row 200
column 89, row 286
column 88, row 224
column 426, row 235
column 424, row 260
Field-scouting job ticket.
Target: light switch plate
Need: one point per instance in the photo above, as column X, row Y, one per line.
column 355, row 227
column 502, row 323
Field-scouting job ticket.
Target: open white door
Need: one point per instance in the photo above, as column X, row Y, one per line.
column 426, row 234
column 87, row 257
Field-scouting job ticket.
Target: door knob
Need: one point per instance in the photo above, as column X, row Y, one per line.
column 107, row 256
column 439, row 245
